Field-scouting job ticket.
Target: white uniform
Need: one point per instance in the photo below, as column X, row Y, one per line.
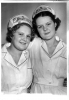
column 48, row 72
column 15, row 78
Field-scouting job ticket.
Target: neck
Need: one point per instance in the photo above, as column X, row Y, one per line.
column 50, row 43
column 13, row 50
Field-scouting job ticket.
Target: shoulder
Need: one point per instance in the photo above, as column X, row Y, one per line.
column 4, row 49
column 35, row 43
column 63, row 47
column 36, row 40
column 4, row 46
column 64, row 50
column 62, row 44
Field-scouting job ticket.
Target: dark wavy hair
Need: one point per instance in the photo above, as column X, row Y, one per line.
column 11, row 31
column 42, row 14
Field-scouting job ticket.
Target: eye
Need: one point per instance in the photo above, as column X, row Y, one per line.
column 39, row 27
column 20, row 34
column 29, row 37
column 48, row 24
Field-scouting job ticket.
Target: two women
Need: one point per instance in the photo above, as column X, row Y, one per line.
column 47, row 55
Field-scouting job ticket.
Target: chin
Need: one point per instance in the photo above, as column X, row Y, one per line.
column 47, row 38
column 22, row 49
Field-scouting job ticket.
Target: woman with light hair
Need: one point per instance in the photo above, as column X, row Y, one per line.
column 16, row 72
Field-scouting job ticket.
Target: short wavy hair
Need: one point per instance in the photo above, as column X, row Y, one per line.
column 42, row 14
column 11, row 31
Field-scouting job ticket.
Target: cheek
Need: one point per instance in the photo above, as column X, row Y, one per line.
column 28, row 41
column 17, row 38
column 53, row 27
column 40, row 31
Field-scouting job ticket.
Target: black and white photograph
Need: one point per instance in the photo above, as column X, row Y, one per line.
column 34, row 48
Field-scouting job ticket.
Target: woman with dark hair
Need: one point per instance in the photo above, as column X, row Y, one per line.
column 48, row 53
column 16, row 66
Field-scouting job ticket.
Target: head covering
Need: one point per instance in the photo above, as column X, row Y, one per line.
column 42, row 8
column 18, row 20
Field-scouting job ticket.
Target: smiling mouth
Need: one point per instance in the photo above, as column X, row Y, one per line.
column 47, row 33
column 23, row 43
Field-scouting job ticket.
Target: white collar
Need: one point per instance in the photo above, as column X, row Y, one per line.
column 6, row 56
column 58, row 47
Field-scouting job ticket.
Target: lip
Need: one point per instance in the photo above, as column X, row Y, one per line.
column 46, row 33
column 24, row 43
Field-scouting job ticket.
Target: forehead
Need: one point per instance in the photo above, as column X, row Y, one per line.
column 24, row 29
column 43, row 19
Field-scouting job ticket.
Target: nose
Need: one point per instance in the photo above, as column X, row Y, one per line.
column 44, row 28
column 24, row 38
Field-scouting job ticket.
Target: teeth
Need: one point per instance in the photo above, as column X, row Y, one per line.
column 23, row 42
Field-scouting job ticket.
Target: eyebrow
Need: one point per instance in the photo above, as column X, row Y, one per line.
column 24, row 33
column 45, row 23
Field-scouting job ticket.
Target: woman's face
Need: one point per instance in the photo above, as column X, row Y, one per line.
column 21, row 38
column 45, row 27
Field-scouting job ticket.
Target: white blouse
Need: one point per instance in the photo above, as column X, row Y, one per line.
column 48, row 72
column 15, row 78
